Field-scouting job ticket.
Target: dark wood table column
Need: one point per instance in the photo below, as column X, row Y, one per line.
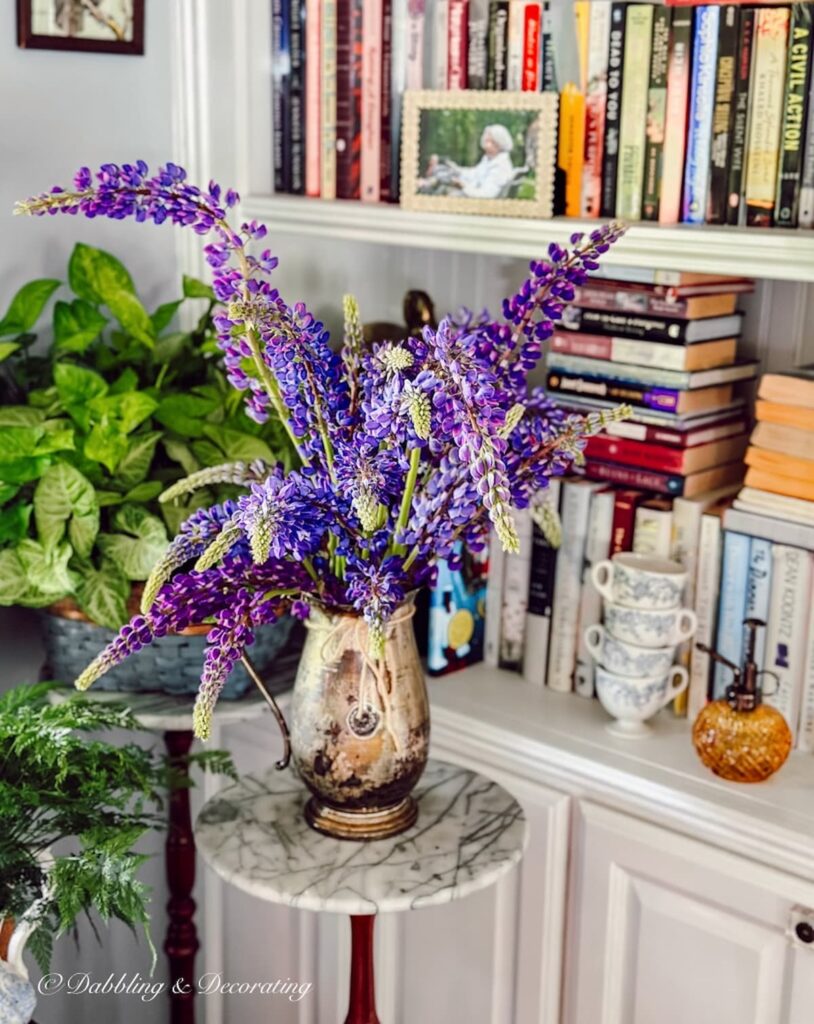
column 362, row 1006
column 181, row 943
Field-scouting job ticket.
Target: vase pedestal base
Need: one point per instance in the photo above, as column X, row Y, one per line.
column 361, row 824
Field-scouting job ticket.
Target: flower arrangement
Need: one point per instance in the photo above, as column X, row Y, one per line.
column 404, row 448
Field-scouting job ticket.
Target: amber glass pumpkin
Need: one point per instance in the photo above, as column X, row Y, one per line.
column 741, row 746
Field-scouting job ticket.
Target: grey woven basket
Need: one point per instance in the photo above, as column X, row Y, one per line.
column 171, row 664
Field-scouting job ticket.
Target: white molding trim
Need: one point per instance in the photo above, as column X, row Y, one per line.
column 307, row 965
column 213, row 929
column 504, row 958
column 743, row 252
column 556, row 899
column 389, row 947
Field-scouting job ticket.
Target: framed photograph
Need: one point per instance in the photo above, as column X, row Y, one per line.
column 103, row 26
column 479, row 152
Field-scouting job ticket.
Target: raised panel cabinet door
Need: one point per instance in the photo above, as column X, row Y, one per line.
column 664, row 929
column 494, row 957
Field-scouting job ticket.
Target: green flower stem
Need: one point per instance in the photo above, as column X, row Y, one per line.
column 407, row 499
column 309, row 568
column 273, row 389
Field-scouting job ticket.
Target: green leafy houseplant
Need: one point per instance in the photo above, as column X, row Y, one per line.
column 117, row 407
column 84, row 804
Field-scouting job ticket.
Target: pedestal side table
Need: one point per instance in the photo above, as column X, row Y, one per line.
column 469, row 833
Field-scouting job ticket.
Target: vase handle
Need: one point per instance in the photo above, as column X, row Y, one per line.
column 254, row 675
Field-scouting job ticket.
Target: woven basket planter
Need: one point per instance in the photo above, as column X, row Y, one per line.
column 171, row 664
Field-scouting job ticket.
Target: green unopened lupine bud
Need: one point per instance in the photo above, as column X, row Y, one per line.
column 396, row 358
column 260, row 540
column 376, row 638
column 506, row 531
column 366, row 506
column 420, row 409
column 513, row 417
column 202, row 717
column 220, row 546
column 547, row 519
column 353, row 322
column 240, row 473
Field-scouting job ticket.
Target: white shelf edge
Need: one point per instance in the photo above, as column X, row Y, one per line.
column 746, row 252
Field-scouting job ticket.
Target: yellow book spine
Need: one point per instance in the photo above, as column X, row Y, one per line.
column 766, row 118
column 571, row 146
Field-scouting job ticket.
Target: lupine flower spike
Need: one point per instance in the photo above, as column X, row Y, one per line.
column 405, row 448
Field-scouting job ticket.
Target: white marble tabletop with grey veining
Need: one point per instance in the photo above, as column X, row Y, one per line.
column 469, row 833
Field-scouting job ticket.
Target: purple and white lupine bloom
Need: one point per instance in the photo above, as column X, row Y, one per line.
column 405, row 448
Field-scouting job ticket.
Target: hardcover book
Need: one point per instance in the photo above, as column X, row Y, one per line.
column 722, row 114
column 669, row 400
column 798, row 73
column 669, row 330
column 457, row 44
column 758, row 587
column 385, row 104
column 626, row 501
column 597, row 548
column 280, row 70
column 516, row 576
column 805, row 739
column 769, row 527
column 652, row 534
column 371, row 146
column 704, row 355
column 655, row 300
column 702, row 99
column 613, row 107
column 788, row 440
column 633, row 119
column 477, row 56
column 717, row 429
column 645, row 455
column 436, row 44
column 806, row 208
column 327, row 24
column 496, row 69
column 313, row 98
column 779, row 483
column 706, row 606
column 766, row 115
column 349, row 49
column 675, row 130
column 732, row 609
column 656, row 113
column 541, row 596
column 414, row 73
column 665, row 483
column 651, row 376
column 787, row 388
column 295, row 96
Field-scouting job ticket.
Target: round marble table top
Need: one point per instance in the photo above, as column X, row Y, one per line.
column 469, row 833
column 165, row 713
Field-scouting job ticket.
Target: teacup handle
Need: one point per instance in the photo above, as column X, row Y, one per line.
column 601, row 575
column 679, row 680
column 594, row 636
column 687, row 624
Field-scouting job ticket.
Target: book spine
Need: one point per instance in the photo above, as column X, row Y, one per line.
column 660, row 399
column 477, row 51
column 414, row 72
column 532, row 36
column 648, row 376
column 576, row 498
column 725, row 73
column 597, row 548
column 624, row 519
column 798, row 72
column 785, row 639
column 348, row 98
column 436, row 55
column 496, row 69
column 458, row 41
column 643, row 456
column 328, row 98
column 595, row 100
column 806, row 209
column 668, row 330
column 652, row 534
column 606, row 299
column 758, row 590
column 517, row 574
column 740, row 113
column 706, row 604
column 279, row 83
column 493, row 606
column 702, row 98
column 385, row 103
column 633, row 118
column 398, row 83
column 548, row 69
column 684, row 541
column 805, row 739
column 589, row 346
column 656, row 114
column 296, row 96
column 541, row 596
column 675, row 118
column 514, row 46
column 313, row 100
column 766, row 118
column 613, row 109
column 732, row 608
column 631, row 476
column 370, row 172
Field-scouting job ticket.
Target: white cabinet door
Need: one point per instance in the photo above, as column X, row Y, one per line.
column 494, row 957
column 663, row 928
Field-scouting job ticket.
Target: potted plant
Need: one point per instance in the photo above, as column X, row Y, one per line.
column 92, row 430
column 73, row 810
column 406, row 448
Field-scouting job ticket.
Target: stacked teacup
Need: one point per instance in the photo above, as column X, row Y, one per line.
column 635, row 649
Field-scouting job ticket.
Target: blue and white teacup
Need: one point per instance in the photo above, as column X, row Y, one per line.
column 627, row 659
column 632, row 701
column 640, row 581
column 644, row 628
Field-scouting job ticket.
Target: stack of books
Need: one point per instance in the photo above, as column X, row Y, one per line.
column 670, row 352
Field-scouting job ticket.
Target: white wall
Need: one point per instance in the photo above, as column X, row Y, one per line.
column 59, row 111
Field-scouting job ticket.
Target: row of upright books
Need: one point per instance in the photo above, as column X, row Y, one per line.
column 667, row 114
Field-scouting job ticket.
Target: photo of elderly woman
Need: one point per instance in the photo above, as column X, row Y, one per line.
column 477, row 154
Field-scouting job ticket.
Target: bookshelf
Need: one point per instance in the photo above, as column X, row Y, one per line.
column 770, row 254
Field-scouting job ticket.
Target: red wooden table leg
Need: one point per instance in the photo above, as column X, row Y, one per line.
column 181, row 943
column 362, row 1008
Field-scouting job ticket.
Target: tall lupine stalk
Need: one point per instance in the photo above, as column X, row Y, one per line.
column 405, row 448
